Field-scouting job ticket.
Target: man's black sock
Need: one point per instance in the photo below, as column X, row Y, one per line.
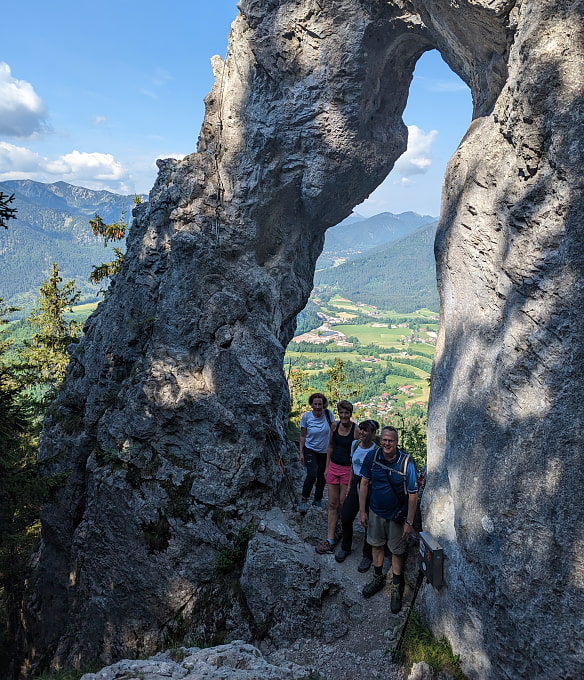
column 378, row 570
column 398, row 579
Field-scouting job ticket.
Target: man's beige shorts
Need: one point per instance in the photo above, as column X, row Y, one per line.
column 383, row 531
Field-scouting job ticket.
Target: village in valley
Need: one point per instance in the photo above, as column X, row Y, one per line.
column 386, row 356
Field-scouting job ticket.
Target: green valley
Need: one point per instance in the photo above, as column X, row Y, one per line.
column 387, row 356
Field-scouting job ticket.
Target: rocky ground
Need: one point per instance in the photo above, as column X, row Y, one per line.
column 366, row 649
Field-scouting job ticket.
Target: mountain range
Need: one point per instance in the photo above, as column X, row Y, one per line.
column 357, row 234
column 399, row 275
column 52, row 225
column 387, row 258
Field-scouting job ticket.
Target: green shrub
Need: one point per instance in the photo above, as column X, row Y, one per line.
column 231, row 557
column 420, row 645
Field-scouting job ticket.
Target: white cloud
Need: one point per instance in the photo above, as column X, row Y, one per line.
column 399, row 192
column 98, row 120
column 449, row 86
column 453, row 84
column 158, row 79
column 22, row 111
column 418, row 157
column 91, row 170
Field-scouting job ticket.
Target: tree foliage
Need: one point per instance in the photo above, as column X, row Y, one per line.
column 20, row 490
column 338, row 385
column 412, row 432
column 116, row 231
column 45, row 357
column 6, row 212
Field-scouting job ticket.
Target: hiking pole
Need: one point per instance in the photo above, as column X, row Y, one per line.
column 397, row 653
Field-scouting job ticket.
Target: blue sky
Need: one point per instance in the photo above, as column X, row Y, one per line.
column 92, row 93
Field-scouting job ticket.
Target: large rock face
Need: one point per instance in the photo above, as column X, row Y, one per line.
column 506, row 438
column 173, row 414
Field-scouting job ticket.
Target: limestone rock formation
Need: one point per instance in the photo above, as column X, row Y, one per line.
column 172, row 418
column 505, row 493
column 236, row 661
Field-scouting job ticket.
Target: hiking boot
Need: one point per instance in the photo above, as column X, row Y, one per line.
column 318, row 504
column 374, row 586
column 342, row 555
column 364, row 564
column 397, row 590
column 303, row 506
column 325, row 548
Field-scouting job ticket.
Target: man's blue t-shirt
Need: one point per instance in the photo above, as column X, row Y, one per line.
column 376, row 469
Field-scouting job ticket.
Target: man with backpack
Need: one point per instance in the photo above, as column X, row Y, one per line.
column 391, row 473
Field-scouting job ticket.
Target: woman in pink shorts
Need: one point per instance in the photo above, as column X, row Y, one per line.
column 338, row 471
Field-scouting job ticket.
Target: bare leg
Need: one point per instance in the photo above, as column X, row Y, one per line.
column 397, row 564
column 378, row 555
column 334, row 496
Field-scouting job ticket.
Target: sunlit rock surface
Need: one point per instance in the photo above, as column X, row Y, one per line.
column 172, row 419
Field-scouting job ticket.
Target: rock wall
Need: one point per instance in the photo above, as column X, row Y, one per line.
column 505, row 483
column 173, row 413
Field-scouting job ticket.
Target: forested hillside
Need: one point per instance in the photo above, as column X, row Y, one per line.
column 387, row 259
column 356, row 234
column 400, row 276
column 52, row 225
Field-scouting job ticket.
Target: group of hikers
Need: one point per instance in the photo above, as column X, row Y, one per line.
column 378, row 482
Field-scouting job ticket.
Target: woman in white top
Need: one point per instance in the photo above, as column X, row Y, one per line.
column 315, row 428
column 365, row 444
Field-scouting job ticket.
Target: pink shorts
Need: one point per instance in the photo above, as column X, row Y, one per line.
column 338, row 474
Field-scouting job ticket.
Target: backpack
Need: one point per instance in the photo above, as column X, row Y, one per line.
column 402, row 471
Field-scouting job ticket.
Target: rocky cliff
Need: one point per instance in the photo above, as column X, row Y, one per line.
column 172, row 417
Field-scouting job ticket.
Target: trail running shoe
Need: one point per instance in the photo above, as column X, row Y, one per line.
column 303, row 507
column 325, row 548
column 374, row 586
column 364, row 564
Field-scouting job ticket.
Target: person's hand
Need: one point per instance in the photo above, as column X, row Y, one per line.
column 301, row 456
column 407, row 529
column 364, row 519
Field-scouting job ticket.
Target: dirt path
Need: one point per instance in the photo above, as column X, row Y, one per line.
column 365, row 651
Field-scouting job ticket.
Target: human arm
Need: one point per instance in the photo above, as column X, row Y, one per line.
column 329, row 451
column 301, row 444
column 363, row 490
column 412, row 506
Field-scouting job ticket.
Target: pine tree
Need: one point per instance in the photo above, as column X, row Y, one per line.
column 6, row 212
column 21, row 491
column 116, row 231
column 338, row 386
column 45, row 357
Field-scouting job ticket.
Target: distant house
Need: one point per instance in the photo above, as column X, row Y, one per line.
column 406, row 389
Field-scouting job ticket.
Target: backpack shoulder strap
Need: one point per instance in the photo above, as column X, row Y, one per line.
column 404, row 466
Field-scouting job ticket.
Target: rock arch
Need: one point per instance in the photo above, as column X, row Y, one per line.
column 175, row 401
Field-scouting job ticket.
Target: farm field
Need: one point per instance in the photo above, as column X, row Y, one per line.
column 387, row 354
